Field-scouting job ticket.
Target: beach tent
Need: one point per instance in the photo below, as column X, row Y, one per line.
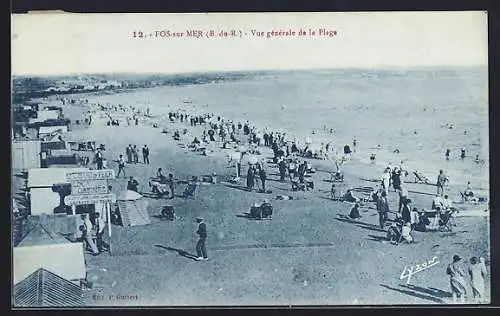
column 41, row 248
column 43, row 288
column 133, row 209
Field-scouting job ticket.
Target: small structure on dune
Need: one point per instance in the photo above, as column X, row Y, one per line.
column 132, row 209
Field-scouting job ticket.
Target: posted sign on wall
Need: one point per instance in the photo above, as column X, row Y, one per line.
column 89, row 199
column 106, row 174
column 89, row 187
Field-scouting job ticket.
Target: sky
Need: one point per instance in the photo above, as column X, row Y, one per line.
column 66, row 43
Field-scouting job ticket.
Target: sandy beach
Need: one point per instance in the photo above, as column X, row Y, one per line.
column 308, row 254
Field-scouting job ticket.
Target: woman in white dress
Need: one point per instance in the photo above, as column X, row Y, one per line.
column 477, row 273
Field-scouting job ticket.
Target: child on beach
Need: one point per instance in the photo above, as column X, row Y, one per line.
column 354, row 214
column 333, row 192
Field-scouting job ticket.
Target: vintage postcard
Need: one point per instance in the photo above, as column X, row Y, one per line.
column 250, row 159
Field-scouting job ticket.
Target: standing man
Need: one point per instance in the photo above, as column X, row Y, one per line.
column 250, row 178
column 100, row 231
column 201, row 250
column 135, row 154
column 121, row 166
column 88, row 234
column 441, row 181
column 145, row 154
column 282, row 169
column 386, row 178
column 129, row 153
column 403, row 195
column 171, row 185
column 263, row 177
column 382, row 209
column 99, row 159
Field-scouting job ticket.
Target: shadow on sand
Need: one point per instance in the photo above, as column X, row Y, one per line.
column 247, row 216
column 181, row 252
column 430, row 294
column 346, row 219
column 232, row 186
column 377, row 238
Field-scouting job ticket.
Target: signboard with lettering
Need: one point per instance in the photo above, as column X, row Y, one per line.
column 89, row 187
column 89, row 199
column 105, row 174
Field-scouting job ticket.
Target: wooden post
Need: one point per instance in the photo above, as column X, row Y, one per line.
column 108, row 216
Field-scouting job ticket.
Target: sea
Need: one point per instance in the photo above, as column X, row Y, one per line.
column 410, row 115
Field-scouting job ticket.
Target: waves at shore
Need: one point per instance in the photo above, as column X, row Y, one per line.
column 410, row 111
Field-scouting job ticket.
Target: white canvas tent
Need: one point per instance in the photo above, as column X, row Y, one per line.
column 133, row 209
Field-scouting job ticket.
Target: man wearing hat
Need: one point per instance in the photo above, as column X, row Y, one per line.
column 201, row 250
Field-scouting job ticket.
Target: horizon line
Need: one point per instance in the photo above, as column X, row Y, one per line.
column 415, row 67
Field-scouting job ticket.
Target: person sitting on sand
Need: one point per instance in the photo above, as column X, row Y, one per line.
column 406, row 233
column 394, row 232
column 132, row 184
column 159, row 175
column 292, row 168
column 266, row 209
column 354, row 213
column 468, row 191
column 446, row 202
column 350, row 197
column 437, row 202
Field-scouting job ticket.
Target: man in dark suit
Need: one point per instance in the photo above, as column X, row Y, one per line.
column 201, row 250
column 145, row 154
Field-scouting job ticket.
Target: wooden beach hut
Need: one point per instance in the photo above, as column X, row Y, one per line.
column 26, row 154
column 41, row 248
